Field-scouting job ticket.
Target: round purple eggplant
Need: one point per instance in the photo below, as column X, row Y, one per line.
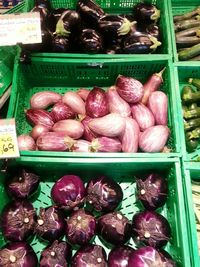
column 114, row 228
column 104, row 194
column 119, row 256
column 80, row 227
column 50, row 224
column 145, row 12
column 23, row 183
column 18, row 254
column 57, row 254
column 60, row 44
column 151, row 228
column 89, row 255
column 18, row 220
column 152, row 190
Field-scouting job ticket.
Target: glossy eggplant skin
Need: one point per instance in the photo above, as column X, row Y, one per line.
column 90, row 11
column 91, row 41
column 138, row 44
column 113, row 26
column 69, row 22
column 60, row 44
column 146, row 13
column 54, row 18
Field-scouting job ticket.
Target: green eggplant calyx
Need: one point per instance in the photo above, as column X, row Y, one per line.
column 155, row 42
column 60, row 30
column 95, row 145
column 125, row 27
column 156, row 15
column 69, row 142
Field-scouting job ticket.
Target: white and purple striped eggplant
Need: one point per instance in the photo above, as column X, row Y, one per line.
column 154, row 138
column 130, row 136
column 143, row 116
column 106, row 144
column 158, row 104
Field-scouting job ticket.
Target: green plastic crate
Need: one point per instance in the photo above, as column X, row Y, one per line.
column 122, row 171
column 182, row 74
column 116, row 7
column 61, row 75
column 178, row 7
column 191, row 171
column 7, row 55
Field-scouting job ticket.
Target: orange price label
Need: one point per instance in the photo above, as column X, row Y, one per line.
column 8, row 139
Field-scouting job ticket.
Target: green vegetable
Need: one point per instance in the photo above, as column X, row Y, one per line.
column 186, row 24
column 195, row 134
column 189, row 52
column 189, row 96
column 195, row 82
column 192, row 113
column 188, row 32
column 187, row 15
column 191, row 145
column 187, row 41
column 191, row 124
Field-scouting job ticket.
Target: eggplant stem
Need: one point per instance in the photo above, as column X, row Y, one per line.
column 126, row 27
column 155, row 42
column 156, row 15
column 159, row 74
column 60, row 30
column 95, row 145
column 69, row 142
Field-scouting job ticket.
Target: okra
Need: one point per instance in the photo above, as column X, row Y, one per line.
column 189, row 53
column 195, row 134
column 192, row 113
column 186, row 24
column 192, row 124
column 192, row 144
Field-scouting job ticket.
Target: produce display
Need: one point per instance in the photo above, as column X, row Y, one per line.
column 69, row 232
column 89, row 29
column 187, row 32
column 126, row 117
column 190, row 96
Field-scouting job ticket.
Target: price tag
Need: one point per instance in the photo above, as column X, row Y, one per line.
column 22, row 28
column 8, row 139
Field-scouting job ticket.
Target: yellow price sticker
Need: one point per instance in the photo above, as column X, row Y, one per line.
column 8, row 139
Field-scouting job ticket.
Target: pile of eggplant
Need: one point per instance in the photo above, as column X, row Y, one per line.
column 88, row 29
column 187, row 31
column 127, row 117
column 80, row 212
column 190, row 96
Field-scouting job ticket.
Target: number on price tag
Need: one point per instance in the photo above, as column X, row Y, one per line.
column 8, row 139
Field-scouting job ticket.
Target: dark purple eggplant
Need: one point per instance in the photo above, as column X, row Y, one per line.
column 69, row 22
column 45, row 46
column 89, row 256
column 18, row 220
column 145, row 12
column 60, row 44
column 91, row 41
column 141, row 44
column 151, row 29
column 152, row 190
column 119, row 256
column 114, row 228
column 104, row 194
column 115, row 25
column 22, row 183
column 56, row 254
column 54, row 17
column 90, row 11
column 50, row 224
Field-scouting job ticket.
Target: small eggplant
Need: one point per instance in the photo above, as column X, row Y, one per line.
column 151, row 29
column 141, row 44
column 69, row 22
column 60, row 44
column 114, row 25
column 147, row 13
column 91, row 41
column 90, row 11
column 54, row 18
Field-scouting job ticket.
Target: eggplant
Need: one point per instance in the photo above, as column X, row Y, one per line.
column 151, row 29
column 90, row 11
column 147, row 13
column 91, row 41
column 54, row 17
column 140, row 44
column 115, row 25
column 69, row 22
column 40, row 47
column 60, row 44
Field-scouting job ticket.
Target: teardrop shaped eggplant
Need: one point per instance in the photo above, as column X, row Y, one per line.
column 69, row 22
column 145, row 12
column 115, row 25
column 90, row 11
column 60, row 44
column 141, row 44
column 91, row 41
